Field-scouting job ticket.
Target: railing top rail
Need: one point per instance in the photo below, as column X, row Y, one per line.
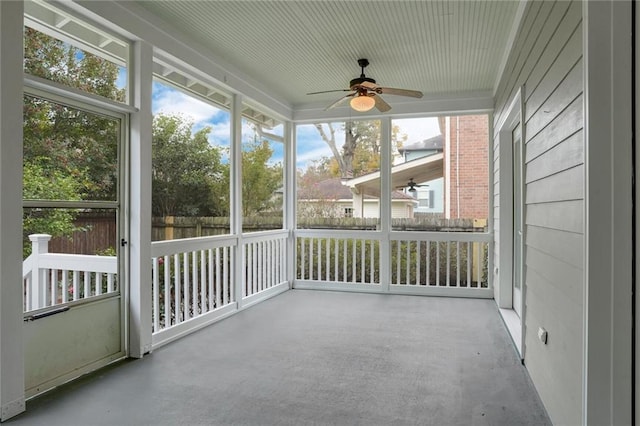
column 265, row 236
column 395, row 235
column 440, row 236
column 78, row 262
column 338, row 233
column 185, row 245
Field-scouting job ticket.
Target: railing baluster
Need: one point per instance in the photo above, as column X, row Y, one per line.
column 53, row 285
column 219, row 267
column 167, row 291
column 155, row 295
column 327, row 265
column 363, row 249
column 203, row 282
column 311, row 259
column 469, row 257
column 248, row 248
column 176, row 288
column 76, row 285
column 354, row 265
column 228, row 288
column 210, row 280
column 457, row 263
column 194, row 284
column 372, row 250
column 438, row 263
column 319, row 258
column 185, row 285
column 87, row 284
column 254, row 267
column 98, row 280
column 398, row 261
column 261, row 259
column 407, row 279
column 336, row 257
column 344, row 260
column 448, row 263
column 269, row 260
column 110, row 283
column 418, row 274
column 428, row 265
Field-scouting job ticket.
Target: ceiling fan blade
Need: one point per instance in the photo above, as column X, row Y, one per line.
column 381, row 104
column 329, row 91
column 369, row 85
column 339, row 101
column 399, row 92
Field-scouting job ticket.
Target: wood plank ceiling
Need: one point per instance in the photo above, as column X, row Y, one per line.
column 293, row 47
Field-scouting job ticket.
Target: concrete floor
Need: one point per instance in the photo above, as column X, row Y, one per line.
column 319, row 358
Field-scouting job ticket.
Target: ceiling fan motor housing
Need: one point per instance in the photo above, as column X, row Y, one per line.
column 358, row 81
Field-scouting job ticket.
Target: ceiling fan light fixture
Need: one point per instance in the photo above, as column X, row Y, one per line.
column 362, row 103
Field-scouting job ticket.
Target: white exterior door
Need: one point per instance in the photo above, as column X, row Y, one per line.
column 517, row 219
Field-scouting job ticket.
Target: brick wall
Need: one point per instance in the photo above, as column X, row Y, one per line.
column 468, row 171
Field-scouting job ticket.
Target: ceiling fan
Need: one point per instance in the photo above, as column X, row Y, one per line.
column 412, row 185
column 365, row 93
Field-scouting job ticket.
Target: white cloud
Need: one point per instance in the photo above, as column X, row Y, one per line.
column 303, row 158
column 418, row 129
column 176, row 102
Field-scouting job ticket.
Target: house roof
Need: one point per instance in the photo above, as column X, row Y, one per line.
column 433, row 143
column 335, row 189
column 421, row 169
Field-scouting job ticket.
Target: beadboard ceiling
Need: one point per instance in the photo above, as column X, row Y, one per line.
column 293, row 47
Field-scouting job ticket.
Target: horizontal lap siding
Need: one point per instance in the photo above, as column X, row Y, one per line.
column 547, row 60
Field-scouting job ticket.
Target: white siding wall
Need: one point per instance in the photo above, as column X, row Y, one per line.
column 547, row 59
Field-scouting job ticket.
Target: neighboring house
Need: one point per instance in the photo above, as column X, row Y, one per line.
column 331, row 197
column 430, row 194
column 462, row 190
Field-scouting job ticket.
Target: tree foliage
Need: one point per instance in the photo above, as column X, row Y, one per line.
column 188, row 178
column 80, row 144
column 260, row 180
column 360, row 151
column 69, row 154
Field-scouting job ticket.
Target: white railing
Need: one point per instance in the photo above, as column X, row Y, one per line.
column 191, row 277
column 52, row 279
column 440, row 259
column 435, row 263
column 347, row 257
column 194, row 280
column 264, row 261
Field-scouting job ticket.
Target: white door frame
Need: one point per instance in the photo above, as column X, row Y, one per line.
column 504, row 265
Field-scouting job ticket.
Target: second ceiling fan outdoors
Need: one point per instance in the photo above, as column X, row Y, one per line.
column 365, row 93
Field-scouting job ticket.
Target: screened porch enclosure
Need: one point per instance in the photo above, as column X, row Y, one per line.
column 204, row 228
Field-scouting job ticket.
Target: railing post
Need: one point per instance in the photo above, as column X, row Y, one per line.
column 39, row 246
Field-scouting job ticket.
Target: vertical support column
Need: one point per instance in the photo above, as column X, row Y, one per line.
column 607, row 376
column 385, row 203
column 236, row 197
column 447, row 168
column 139, row 217
column 290, row 218
column 11, row 312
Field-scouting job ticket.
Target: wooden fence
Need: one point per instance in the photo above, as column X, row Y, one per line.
column 98, row 232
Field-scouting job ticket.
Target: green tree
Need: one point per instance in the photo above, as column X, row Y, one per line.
column 80, row 144
column 188, row 176
column 360, row 151
column 260, row 180
column 42, row 181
